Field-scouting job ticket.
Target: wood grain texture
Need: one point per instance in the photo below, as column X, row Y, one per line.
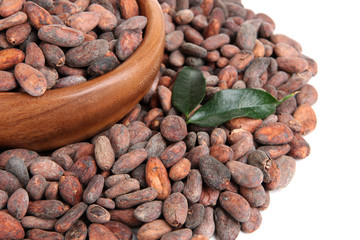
column 72, row 114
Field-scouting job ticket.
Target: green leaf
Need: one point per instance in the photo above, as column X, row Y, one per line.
column 232, row 103
column 189, row 90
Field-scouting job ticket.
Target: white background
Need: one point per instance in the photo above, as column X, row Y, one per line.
column 322, row 201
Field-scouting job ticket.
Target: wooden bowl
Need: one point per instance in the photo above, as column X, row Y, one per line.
column 76, row 113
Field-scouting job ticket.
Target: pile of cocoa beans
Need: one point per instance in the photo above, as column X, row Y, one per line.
column 151, row 174
column 48, row 44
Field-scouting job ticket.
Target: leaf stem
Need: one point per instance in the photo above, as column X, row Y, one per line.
column 288, row 96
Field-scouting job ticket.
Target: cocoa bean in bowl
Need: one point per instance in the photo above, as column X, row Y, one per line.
column 175, row 166
column 65, row 54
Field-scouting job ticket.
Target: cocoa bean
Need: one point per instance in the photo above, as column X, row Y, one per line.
column 153, row 230
column 36, row 187
column 98, row 231
column 70, row 217
column 11, row 228
column 97, row 214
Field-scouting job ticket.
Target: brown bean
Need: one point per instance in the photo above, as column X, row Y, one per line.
column 38, row 234
column 127, row 162
column 275, row 176
column 98, row 231
column 34, row 56
column 157, row 177
column 8, row 8
column 173, row 128
column 226, row 226
column 8, row 182
column 125, row 216
column 292, row 64
column 281, row 38
column 307, row 95
column 78, row 231
column 214, row 173
column 127, row 43
column 207, row 225
column 195, row 154
column 175, row 209
column 51, row 192
column 182, row 234
column 276, row 150
column 13, row 20
column 104, row 153
column 3, row 199
column 199, row 237
column 300, row 148
column 120, row 230
column 135, row 198
column 138, row 132
column 285, row 50
column 36, row 187
column 11, row 228
column 106, row 203
column 172, row 154
column 94, row 189
column 84, row 169
column 61, row 36
column 18, row 34
column 180, row 170
column 114, row 179
column 103, row 65
column 245, row 123
column 49, row 209
column 83, row 21
column 235, row 205
column 10, row 57
column 136, row 22
column 153, row 230
column 177, row 186
column 273, row 134
column 246, row 36
column 30, row 79
column 128, row 8
column 306, row 117
column 17, row 167
column 123, row 187
column 8, row 81
column 255, row 196
column 222, row 153
column 54, row 55
column 39, row 223
column 70, row 189
column 242, row 59
column 287, row 166
column 149, row 211
column 97, row 214
column 253, row 223
column 193, row 186
column 244, row 174
column 38, row 16
column 70, row 217
column 84, row 54
column 107, row 21
column 195, row 215
column 209, row 195
column 215, row 41
column 18, row 203
column 47, row 168
column 120, row 139
column 69, row 81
